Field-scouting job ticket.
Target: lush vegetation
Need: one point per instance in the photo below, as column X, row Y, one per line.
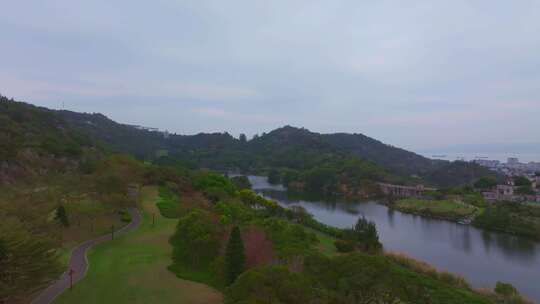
column 519, row 219
column 61, row 184
column 449, row 209
column 133, row 267
column 294, row 154
column 168, row 203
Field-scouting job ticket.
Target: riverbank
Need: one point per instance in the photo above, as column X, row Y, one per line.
column 469, row 251
column 511, row 218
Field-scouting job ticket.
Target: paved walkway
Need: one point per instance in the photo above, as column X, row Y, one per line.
column 79, row 263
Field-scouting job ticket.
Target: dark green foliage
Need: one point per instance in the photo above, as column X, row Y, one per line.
column 525, row 190
column 168, row 203
column 269, row 285
column 458, row 173
column 485, row 183
column 510, row 217
column 234, row 256
column 522, row 181
column 28, row 262
column 44, row 131
column 537, row 173
column 360, row 278
column 289, row 240
column 196, row 240
column 364, row 233
column 242, row 138
column 274, row 177
column 344, row 246
column 215, row 186
column 505, row 289
column 124, row 216
column 61, row 216
column 241, row 182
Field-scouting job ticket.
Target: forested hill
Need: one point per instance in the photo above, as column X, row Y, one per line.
column 287, row 148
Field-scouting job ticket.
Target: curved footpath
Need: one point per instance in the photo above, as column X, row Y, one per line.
column 79, row 263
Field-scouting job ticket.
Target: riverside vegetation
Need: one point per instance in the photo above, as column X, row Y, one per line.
column 62, row 184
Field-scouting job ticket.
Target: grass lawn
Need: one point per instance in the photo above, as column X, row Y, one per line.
column 133, row 268
column 448, row 209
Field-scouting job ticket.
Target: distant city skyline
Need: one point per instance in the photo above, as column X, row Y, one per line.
column 422, row 75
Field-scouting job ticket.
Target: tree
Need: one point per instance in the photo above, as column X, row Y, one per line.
column 537, row 173
column 505, row 289
column 195, row 242
column 522, row 181
column 234, row 256
column 365, row 234
column 485, row 183
column 243, row 138
column 61, row 216
column 28, row 262
column 241, row 182
column 274, row 177
column 270, row 284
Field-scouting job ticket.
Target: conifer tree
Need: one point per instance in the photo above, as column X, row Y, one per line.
column 61, row 216
column 234, row 256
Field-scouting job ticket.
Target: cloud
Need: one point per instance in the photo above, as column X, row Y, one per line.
column 405, row 73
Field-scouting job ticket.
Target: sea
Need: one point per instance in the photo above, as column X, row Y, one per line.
column 502, row 157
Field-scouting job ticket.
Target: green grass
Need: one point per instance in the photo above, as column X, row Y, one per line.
column 446, row 209
column 326, row 242
column 133, row 268
column 168, row 203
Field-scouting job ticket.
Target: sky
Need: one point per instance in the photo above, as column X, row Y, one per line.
column 414, row 74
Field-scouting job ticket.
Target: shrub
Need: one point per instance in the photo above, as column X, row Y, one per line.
column 345, row 245
column 505, row 289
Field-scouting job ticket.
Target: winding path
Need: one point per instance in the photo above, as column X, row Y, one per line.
column 79, row 263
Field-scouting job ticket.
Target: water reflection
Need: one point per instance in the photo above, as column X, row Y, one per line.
column 481, row 256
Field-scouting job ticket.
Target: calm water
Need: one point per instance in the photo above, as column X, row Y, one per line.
column 480, row 256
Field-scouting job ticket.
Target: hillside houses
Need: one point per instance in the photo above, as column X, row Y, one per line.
column 509, row 191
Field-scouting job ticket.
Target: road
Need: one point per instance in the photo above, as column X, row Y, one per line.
column 79, row 263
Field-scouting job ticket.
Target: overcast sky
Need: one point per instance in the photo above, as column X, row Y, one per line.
column 415, row 74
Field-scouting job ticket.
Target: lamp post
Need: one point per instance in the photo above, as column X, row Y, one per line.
column 71, row 272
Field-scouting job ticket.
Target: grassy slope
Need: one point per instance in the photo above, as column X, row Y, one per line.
column 133, row 268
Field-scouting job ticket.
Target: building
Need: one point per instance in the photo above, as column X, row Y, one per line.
column 513, row 161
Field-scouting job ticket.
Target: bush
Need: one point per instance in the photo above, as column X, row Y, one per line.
column 125, row 216
column 505, row 289
column 168, row 203
column 344, row 246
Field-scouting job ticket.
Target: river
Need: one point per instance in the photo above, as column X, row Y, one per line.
column 482, row 257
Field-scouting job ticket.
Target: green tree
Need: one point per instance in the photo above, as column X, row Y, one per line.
column 61, row 216
column 234, row 256
column 241, row 182
column 537, row 173
column 195, row 242
column 274, row 177
column 269, row 285
column 365, row 234
column 243, row 138
column 485, row 183
column 522, row 181
column 505, row 289
column 28, row 262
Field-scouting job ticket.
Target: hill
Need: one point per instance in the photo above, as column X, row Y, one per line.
column 286, row 148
